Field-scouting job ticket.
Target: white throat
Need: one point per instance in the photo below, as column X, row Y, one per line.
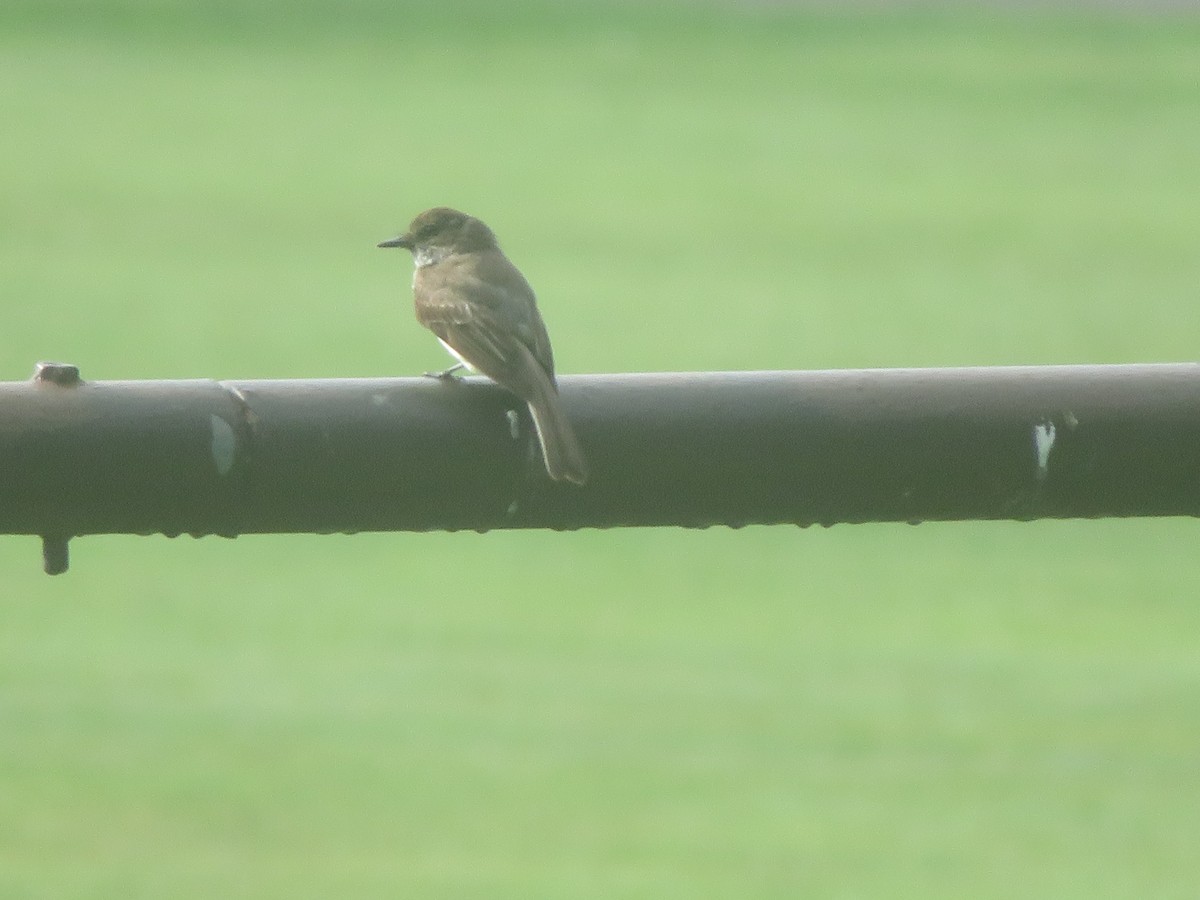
column 424, row 255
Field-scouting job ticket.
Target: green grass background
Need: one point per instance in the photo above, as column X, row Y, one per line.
column 983, row 710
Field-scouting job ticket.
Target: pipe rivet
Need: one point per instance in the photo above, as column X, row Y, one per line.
column 56, row 554
column 62, row 374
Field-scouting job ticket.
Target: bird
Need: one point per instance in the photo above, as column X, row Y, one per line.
column 468, row 293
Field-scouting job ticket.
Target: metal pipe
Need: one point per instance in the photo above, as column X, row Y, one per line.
column 690, row 449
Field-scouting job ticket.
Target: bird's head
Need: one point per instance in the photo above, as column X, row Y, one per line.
column 442, row 230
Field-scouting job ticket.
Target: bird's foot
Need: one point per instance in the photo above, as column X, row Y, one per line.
column 445, row 374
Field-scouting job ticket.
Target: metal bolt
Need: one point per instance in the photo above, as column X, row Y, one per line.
column 56, row 555
column 62, row 374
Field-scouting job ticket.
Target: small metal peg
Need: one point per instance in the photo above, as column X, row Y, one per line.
column 56, row 554
column 62, row 374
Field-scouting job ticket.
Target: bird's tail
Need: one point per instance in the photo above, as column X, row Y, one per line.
column 560, row 448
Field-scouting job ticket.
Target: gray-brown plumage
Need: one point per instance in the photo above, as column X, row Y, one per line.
column 484, row 312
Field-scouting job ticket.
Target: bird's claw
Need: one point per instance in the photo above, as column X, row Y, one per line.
column 444, row 374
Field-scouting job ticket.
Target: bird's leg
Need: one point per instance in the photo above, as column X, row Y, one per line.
column 445, row 373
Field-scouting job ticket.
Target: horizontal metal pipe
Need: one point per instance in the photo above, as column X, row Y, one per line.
column 691, row 449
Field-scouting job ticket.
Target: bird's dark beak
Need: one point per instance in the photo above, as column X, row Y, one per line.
column 401, row 241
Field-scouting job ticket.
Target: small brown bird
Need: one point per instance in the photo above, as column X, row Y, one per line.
column 483, row 311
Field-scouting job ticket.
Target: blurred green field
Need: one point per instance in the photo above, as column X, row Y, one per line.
column 982, row 710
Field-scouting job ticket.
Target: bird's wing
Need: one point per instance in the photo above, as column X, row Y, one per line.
column 485, row 338
column 482, row 306
column 510, row 294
